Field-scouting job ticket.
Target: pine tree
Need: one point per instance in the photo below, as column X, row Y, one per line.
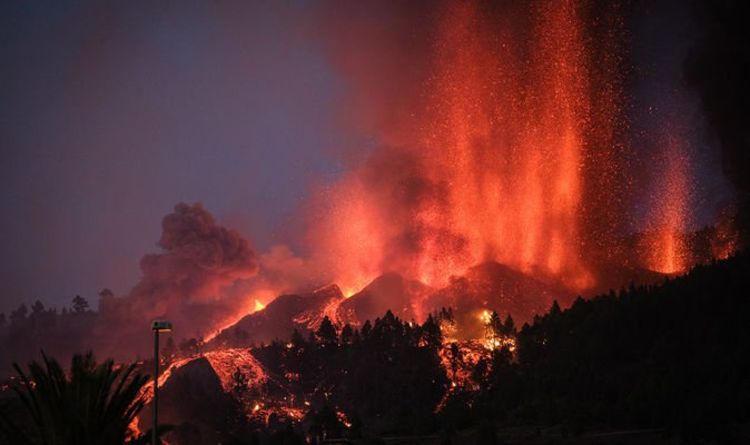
column 37, row 308
column 366, row 330
column 346, row 335
column 326, row 333
column 431, row 335
column 80, row 304
column 509, row 327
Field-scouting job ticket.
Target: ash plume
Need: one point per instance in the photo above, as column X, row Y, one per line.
column 200, row 258
column 190, row 282
column 718, row 68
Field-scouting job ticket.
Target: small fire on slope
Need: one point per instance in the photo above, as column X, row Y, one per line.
column 251, row 306
column 460, row 358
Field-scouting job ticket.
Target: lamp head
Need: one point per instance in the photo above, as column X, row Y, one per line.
column 161, row 326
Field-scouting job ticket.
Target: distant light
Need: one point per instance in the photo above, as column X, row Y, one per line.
column 259, row 306
column 161, row 326
column 485, row 316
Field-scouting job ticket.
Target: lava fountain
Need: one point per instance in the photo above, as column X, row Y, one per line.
column 670, row 217
column 512, row 132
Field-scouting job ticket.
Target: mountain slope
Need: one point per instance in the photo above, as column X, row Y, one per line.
column 389, row 291
column 282, row 316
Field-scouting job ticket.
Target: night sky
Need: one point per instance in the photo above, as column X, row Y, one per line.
column 110, row 115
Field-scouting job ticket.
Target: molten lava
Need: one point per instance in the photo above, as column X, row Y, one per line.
column 250, row 306
column 512, row 120
column 669, row 252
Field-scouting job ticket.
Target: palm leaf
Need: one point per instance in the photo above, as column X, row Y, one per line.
column 93, row 404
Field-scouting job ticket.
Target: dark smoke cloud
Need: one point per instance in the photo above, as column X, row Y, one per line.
column 200, row 258
column 718, row 67
column 190, row 282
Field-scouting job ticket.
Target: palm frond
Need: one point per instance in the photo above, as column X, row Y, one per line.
column 92, row 404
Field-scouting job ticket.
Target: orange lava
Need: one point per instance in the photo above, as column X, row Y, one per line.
column 224, row 361
column 250, row 306
column 669, row 249
column 495, row 169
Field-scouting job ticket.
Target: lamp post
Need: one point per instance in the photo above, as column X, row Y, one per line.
column 157, row 326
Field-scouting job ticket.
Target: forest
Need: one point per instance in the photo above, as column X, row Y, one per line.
column 670, row 359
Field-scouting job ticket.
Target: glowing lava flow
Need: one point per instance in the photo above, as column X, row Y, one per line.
column 251, row 306
column 224, row 362
column 330, row 308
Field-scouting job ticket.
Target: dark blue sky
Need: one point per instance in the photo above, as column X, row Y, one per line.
column 110, row 115
column 661, row 104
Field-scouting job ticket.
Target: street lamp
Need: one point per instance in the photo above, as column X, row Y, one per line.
column 157, row 326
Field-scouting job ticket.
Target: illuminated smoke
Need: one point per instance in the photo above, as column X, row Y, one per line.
column 506, row 149
column 189, row 282
column 200, row 258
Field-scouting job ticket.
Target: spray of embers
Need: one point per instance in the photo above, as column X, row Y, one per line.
column 511, row 154
column 499, row 137
column 669, row 253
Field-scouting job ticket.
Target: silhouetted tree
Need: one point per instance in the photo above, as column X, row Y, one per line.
column 92, row 404
column 431, row 335
column 509, row 327
column 80, row 304
column 366, row 329
column 37, row 308
column 494, row 328
column 326, row 333
column 346, row 334
column 18, row 316
column 555, row 309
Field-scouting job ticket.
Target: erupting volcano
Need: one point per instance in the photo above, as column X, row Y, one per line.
column 499, row 177
column 499, row 174
column 510, row 155
column 396, row 222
